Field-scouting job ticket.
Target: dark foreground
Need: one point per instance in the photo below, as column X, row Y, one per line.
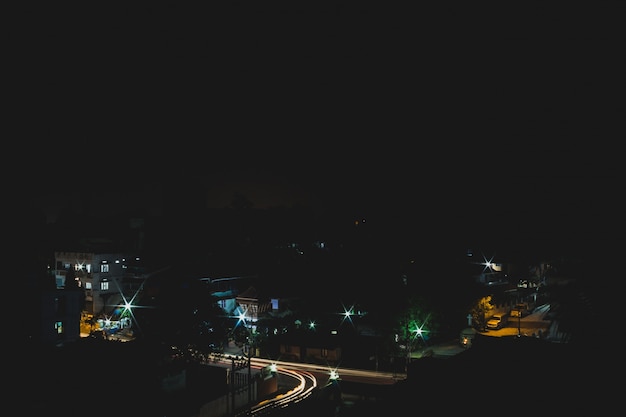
column 513, row 376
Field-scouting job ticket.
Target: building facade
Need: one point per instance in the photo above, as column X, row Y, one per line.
column 109, row 280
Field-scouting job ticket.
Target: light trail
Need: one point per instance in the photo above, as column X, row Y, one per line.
column 307, row 383
column 306, row 380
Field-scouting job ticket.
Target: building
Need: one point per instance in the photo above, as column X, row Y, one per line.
column 109, row 281
column 59, row 316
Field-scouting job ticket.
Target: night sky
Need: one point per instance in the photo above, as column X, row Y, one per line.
column 496, row 117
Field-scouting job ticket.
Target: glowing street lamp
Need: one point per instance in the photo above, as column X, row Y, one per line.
column 242, row 318
column 418, row 331
column 414, row 331
column 129, row 304
column 347, row 315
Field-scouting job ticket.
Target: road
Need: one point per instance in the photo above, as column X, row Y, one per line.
column 299, row 380
column 531, row 325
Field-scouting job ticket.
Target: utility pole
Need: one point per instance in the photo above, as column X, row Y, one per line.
column 249, row 374
column 408, row 347
column 232, row 383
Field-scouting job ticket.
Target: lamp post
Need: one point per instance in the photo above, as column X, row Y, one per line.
column 243, row 318
column 408, row 348
column 249, row 373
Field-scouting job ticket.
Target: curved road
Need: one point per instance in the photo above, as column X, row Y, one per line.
column 301, row 379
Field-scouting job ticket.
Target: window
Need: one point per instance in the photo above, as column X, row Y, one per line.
column 104, row 268
column 324, row 353
column 104, row 285
column 88, row 285
column 59, row 327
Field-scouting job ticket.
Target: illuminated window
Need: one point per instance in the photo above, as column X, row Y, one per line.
column 104, row 285
column 88, row 285
column 59, row 327
column 104, row 268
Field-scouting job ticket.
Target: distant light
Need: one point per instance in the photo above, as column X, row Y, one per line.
column 419, row 331
column 347, row 314
column 334, row 375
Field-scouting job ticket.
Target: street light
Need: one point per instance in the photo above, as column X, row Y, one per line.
column 243, row 318
column 413, row 332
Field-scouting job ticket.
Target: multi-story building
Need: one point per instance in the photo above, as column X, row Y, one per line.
column 108, row 279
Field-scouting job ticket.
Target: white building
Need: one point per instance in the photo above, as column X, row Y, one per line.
column 107, row 278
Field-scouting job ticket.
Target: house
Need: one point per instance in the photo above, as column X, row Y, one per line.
column 320, row 349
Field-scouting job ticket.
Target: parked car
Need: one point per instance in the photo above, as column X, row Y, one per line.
column 497, row 321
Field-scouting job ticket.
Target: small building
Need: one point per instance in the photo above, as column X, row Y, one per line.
column 318, row 349
column 466, row 337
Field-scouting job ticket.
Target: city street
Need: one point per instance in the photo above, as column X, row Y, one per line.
column 531, row 325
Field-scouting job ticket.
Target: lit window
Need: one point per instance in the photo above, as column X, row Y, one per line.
column 104, row 285
column 59, row 327
column 88, row 285
column 104, row 268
